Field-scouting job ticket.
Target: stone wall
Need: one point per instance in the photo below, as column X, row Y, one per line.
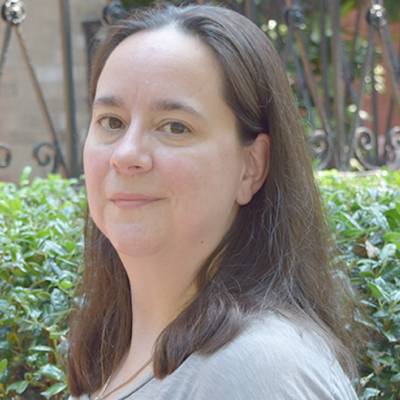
column 21, row 122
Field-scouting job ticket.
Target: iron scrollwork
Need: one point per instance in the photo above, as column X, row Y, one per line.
column 322, row 147
column 336, row 137
column 45, row 153
column 363, row 146
column 392, row 147
column 13, row 12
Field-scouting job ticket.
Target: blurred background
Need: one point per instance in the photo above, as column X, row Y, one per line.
column 342, row 59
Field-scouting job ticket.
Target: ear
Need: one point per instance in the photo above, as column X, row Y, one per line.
column 256, row 168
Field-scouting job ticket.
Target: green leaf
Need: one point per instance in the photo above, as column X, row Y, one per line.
column 51, row 371
column 395, row 378
column 66, row 284
column 395, row 296
column 393, row 237
column 388, row 251
column 391, row 337
column 41, row 348
column 3, row 365
column 58, row 299
column 54, row 389
column 351, row 220
column 18, row 387
column 53, row 248
column 24, row 178
column 393, row 217
column 376, row 291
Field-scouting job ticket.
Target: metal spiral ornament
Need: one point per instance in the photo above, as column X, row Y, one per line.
column 392, row 148
column 363, row 145
column 44, row 154
column 321, row 147
column 13, row 11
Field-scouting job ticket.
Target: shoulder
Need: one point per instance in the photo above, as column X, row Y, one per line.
column 273, row 341
column 273, row 358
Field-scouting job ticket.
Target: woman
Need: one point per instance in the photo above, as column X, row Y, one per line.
column 207, row 274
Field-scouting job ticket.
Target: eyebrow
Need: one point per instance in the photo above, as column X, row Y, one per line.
column 159, row 105
column 175, row 105
column 108, row 101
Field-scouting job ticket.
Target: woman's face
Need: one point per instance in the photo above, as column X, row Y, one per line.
column 160, row 129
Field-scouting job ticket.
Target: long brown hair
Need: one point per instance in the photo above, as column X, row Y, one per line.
column 278, row 253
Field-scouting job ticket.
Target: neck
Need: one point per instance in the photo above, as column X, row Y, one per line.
column 160, row 287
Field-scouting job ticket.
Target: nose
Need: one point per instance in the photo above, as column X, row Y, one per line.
column 131, row 154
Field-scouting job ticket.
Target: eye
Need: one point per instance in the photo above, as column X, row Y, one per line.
column 176, row 128
column 111, row 123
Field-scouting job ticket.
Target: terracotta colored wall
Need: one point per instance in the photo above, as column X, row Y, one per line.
column 384, row 99
column 21, row 122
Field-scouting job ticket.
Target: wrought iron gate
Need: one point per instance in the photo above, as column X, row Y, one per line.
column 332, row 83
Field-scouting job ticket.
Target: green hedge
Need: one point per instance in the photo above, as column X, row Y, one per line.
column 41, row 245
column 40, row 261
column 364, row 211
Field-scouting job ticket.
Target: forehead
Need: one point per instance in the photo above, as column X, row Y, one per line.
column 164, row 61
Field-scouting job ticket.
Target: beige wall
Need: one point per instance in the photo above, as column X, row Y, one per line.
column 21, row 122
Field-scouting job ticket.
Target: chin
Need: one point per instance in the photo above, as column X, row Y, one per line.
column 134, row 246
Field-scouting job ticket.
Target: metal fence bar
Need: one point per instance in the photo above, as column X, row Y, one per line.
column 4, row 48
column 359, row 101
column 341, row 144
column 324, row 57
column 41, row 100
column 391, row 62
column 69, row 92
column 375, row 109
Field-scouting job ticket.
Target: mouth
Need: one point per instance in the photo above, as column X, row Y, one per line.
column 124, row 203
column 132, row 200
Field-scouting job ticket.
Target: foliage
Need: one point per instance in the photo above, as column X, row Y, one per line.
column 40, row 257
column 40, row 253
column 365, row 214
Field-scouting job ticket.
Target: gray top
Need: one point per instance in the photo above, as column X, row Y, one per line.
column 272, row 359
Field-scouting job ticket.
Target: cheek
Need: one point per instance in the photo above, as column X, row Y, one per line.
column 187, row 174
column 201, row 181
column 95, row 163
column 202, row 185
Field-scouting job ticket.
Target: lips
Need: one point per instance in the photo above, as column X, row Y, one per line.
column 130, row 200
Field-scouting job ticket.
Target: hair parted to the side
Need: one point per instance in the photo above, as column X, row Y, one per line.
column 277, row 255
